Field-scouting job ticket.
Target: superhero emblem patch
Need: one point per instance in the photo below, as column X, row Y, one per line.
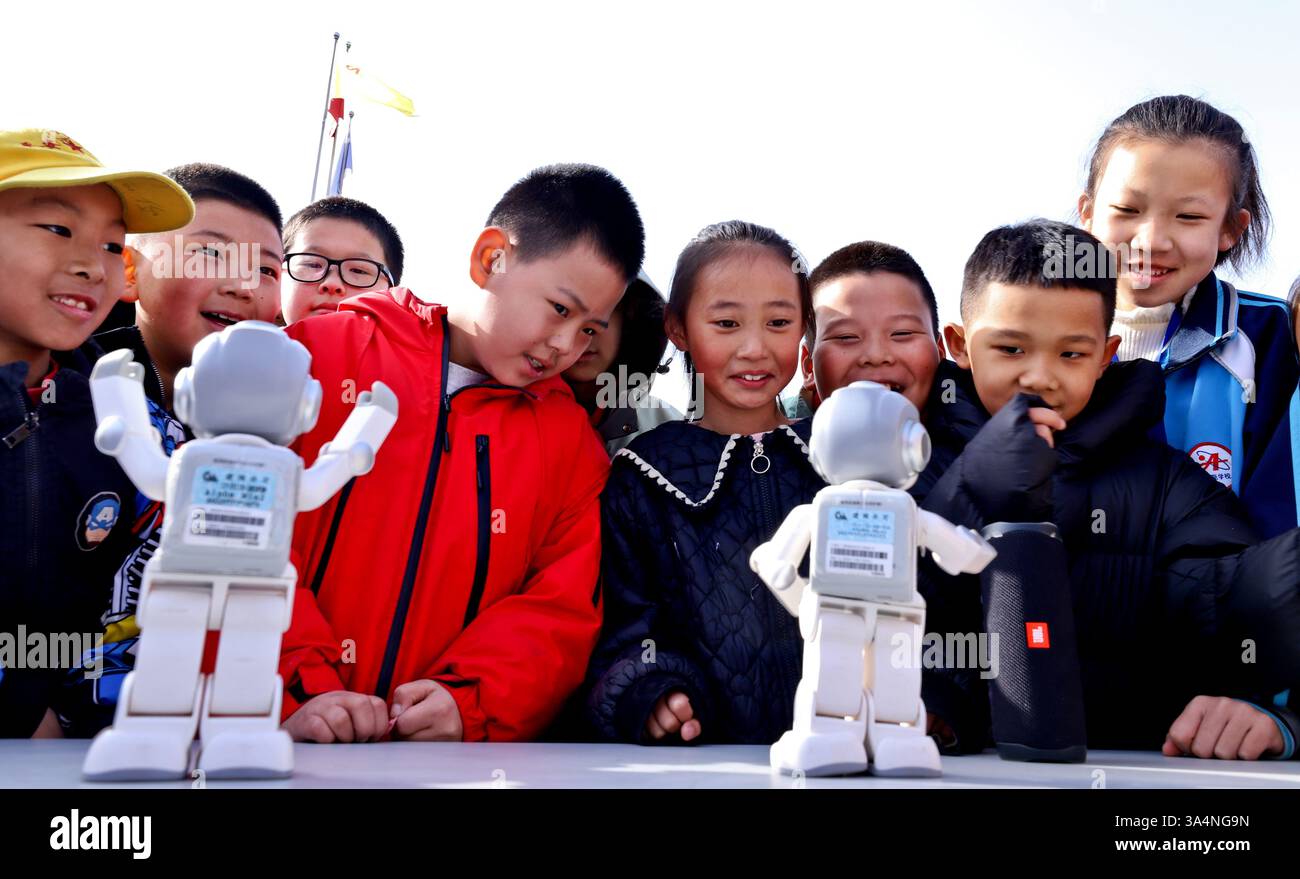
column 97, row 519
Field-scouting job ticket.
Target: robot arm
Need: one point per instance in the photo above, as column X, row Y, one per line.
column 352, row 451
column 956, row 549
column 124, row 431
column 777, row 561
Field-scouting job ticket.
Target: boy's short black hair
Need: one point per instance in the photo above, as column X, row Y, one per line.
column 558, row 205
column 338, row 207
column 865, row 257
column 205, row 180
column 1040, row 253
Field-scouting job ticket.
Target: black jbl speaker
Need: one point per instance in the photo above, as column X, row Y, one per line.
column 1036, row 698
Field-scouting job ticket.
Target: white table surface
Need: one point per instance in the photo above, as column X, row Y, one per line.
column 57, row 764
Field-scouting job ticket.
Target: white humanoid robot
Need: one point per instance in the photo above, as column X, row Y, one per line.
column 857, row 706
column 223, row 560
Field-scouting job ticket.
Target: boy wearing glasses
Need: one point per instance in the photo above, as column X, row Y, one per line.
column 334, row 249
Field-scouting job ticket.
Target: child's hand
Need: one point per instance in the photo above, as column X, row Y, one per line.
column 937, row 727
column 1007, row 468
column 49, row 727
column 1215, row 726
column 673, row 714
column 425, row 712
column 1046, row 422
column 340, row 716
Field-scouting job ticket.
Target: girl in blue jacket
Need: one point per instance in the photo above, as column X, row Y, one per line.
column 1173, row 189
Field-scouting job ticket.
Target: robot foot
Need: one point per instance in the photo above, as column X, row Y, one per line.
column 119, row 755
column 263, row 754
column 906, row 756
column 817, row 754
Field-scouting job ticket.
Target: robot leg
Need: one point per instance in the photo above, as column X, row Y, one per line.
column 896, row 737
column 158, row 708
column 830, row 709
column 240, row 724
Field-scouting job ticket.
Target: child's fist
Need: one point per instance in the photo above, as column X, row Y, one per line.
column 423, row 711
column 672, row 715
column 1215, row 726
column 340, row 716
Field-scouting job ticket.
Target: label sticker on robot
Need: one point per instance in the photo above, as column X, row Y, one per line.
column 860, row 541
column 231, row 507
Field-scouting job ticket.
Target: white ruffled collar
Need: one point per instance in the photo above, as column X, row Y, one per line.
column 653, row 473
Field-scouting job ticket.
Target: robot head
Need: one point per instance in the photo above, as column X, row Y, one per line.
column 249, row 378
column 866, row 431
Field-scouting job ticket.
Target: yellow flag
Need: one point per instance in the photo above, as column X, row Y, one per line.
column 361, row 83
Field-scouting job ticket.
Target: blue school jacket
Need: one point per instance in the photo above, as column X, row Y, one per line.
column 1231, row 376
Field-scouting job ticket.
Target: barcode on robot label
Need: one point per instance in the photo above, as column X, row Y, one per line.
column 210, row 526
column 247, row 537
column 872, row 559
column 863, row 566
column 861, row 553
column 235, row 520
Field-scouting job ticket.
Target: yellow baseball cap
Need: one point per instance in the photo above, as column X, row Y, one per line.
column 40, row 158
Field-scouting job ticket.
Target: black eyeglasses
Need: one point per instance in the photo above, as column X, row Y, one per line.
column 357, row 271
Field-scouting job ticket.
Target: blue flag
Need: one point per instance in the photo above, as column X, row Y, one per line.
column 342, row 168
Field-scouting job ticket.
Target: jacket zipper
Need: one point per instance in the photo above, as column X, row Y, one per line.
column 417, row 537
column 22, row 431
column 422, row 519
column 12, row 440
column 33, row 492
column 483, row 480
column 328, row 551
column 162, row 388
column 779, row 623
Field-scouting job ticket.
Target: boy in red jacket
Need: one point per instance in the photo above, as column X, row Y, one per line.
column 452, row 593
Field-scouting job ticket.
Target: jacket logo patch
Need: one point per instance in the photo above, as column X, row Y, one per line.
column 97, row 519
column 1036, row 636
column 1214, row 459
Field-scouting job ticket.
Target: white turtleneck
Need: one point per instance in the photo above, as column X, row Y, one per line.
column 1142, row 330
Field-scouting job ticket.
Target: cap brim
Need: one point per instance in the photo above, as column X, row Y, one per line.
column 150, row 202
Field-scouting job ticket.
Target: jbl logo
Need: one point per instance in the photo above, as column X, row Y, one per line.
column 1036, row 635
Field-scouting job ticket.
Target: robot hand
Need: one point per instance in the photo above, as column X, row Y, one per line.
column 777, row 573
column 776, row 561
column 957, row 550
column 352, row 451
column 124, row 431
column 780, row 576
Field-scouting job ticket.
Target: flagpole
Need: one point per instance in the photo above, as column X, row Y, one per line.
column 334, row 138
column 320, row 140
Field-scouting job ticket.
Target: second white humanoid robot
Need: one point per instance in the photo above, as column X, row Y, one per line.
column 859, row 707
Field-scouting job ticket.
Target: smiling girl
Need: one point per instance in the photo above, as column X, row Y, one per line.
column 1173, row 187
column 694, row 646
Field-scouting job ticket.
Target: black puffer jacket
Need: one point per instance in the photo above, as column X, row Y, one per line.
column 1166, row 575
column 681, row 513
column 65, row 527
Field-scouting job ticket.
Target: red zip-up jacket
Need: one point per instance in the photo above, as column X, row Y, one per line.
column 469, row 555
